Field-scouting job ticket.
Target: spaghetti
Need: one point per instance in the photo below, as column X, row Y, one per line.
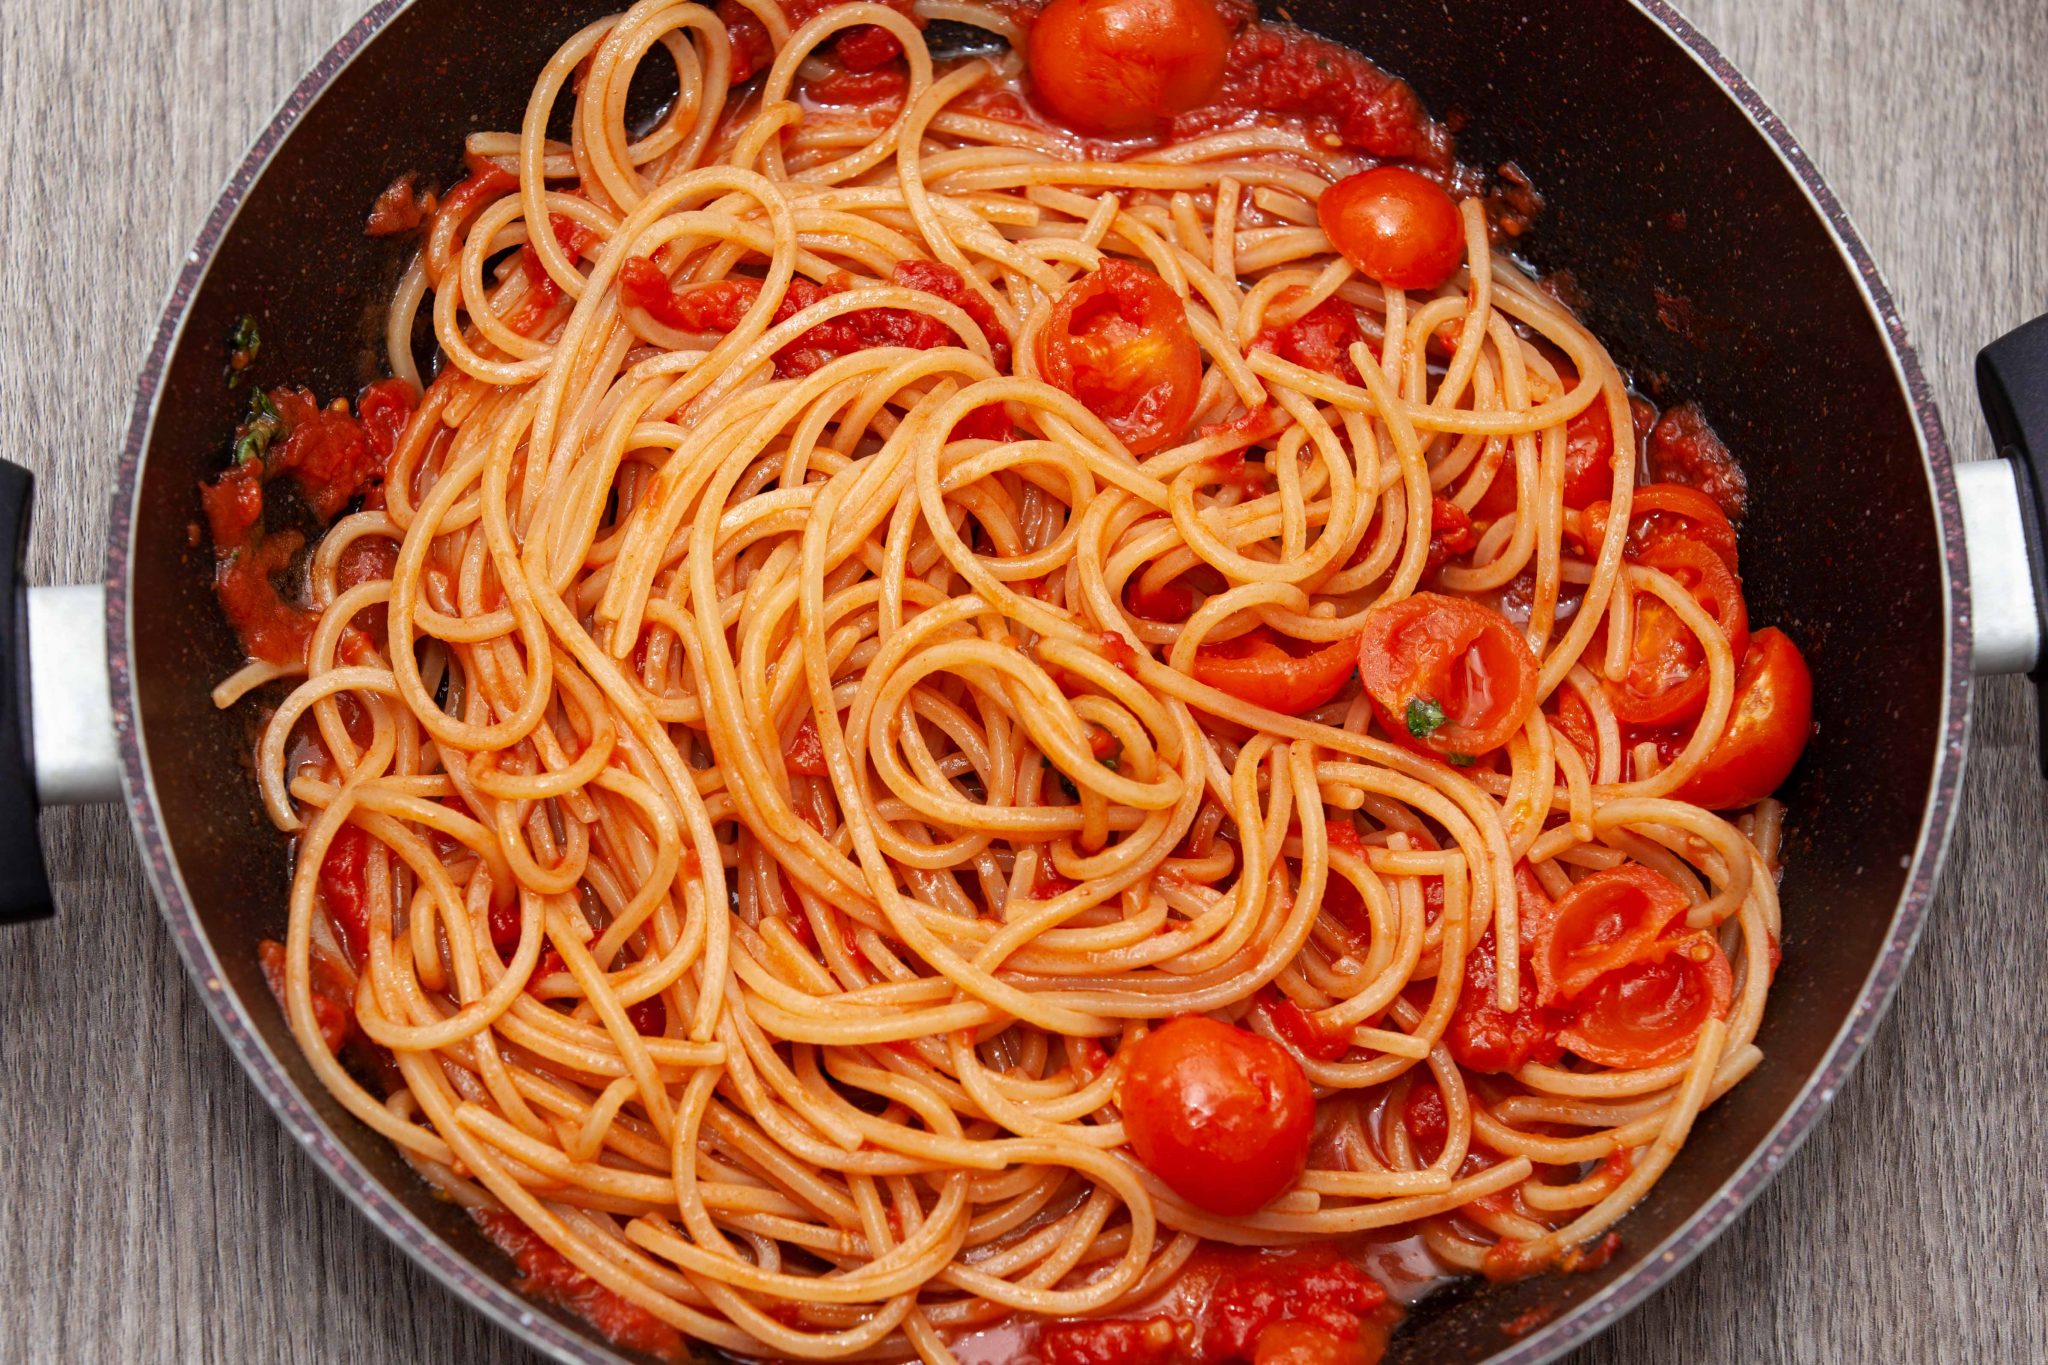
column 796, row 719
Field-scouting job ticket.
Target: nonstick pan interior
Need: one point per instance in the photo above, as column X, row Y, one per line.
column 1697, row 253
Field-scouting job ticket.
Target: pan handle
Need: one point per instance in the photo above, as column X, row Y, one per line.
column 57, row 741
column 2005, row 514
column 24, row 886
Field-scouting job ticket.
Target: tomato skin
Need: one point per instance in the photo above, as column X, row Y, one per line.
column 344, row 886
column 1607, row 921
column 1395, row 226
column 1120, row 68
column 384, row 408
column 1658, row 511
column 1456, row 653
column 1301, row 1030
column 1221, row 1115
column 1650, row 1012
column 1119, row 341
column 1768, row 726
column 1668, row 678
column 1261, row 668
column 1428, row 1122
column 1320, row 339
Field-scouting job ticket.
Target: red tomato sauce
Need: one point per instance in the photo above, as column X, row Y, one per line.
column 1348, row 101
column 335, row 457
column 548, row 1275
column 1333, row 1303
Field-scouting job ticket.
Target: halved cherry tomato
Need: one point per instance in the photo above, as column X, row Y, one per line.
column 1119, row 341
column 1445, row 674
column 1659, row 511
column 1395, row 226
column 1277, row 671
column 1123, row 67
column 1221, row 1115
column 1667, row 676
column 1768, row 726
column 1650, row 1012
column 1607, row 921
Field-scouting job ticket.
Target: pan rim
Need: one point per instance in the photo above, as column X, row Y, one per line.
column 538, row 1327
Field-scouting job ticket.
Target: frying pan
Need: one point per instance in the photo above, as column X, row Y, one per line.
column 1710, row 257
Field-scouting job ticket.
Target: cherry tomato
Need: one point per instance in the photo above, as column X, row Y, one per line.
column 1119, row 341
column 1277, row 671
column 1221, row 1115
column 1429, row 1123
column 1573, row 719
column 1588, row 466
column 1659, row 511
column 1667, row 676
column 1768, row 726
column 1482, row 1037
column 1301, row 1030
column 1650, row 1012
column 1485, row 1038
column 1446, row 675
column 1606, row 921
column 1397, row 227
column 1120, row 68
column 1320, row 339
column 344, row 886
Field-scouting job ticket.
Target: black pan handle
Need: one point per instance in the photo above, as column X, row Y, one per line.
column 2005, row 514
column 24, row 885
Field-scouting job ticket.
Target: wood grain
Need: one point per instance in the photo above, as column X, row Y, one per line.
column 151, row 1210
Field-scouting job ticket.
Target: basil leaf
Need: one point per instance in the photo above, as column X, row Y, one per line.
column 1425, row 718
column 1460, row 760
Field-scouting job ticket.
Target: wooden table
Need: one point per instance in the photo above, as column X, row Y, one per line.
column 152, row 1210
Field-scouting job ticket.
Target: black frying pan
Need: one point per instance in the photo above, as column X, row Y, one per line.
column 1713, row 261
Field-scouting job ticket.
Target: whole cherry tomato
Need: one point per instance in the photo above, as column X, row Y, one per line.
column 1277, row 671
column 1397, row 227
column 1446, row 675
column 1221, row 1115
column 1120, row 68
column 1768, row 726
column 1667, row 675
column 1119, row 341
column 1649, row 1012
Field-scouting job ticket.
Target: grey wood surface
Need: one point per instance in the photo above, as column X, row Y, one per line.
column 151, row 1210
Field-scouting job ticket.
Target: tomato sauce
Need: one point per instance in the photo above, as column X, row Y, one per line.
column 1232, row 1304
column 548, row 1275
column 334, row 457
column 1347, row 100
